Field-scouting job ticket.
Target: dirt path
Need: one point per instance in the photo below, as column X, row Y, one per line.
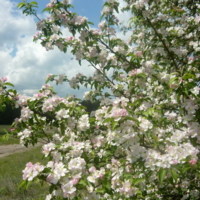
column 6, row 150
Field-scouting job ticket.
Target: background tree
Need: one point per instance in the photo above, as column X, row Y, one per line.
column 91, row 106
column 143, row 141
column 8, row 116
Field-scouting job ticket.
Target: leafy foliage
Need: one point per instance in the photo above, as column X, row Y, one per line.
column 143, row 140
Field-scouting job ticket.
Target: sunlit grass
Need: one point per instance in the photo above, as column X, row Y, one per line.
column 11, row 175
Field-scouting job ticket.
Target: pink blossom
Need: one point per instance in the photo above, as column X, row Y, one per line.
column 174, row 86
column 92, row 169
column 139, row 53
column 175, row 162
column 51, row 178
column 46, row 86
column 4, row 79
column 98, row 141
column 70, row 38
column 126, row 189
column 102, row 24
column 47, row 148
column 117, row 112
column 133, row 72
column 32, row 170
column 49, row 5
column 49, row 76
column 75, row 181
column 68, row 189
column 29, row 165
column 193, row 161
column 114, row 161
column 101, row 175
column 96, row 32
column 78, row 20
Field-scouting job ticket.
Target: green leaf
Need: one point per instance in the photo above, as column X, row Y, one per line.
column 138, row 180
column 91, row 23
column 131, row 118
column 185, row 169
column 2, row 107
column 79, row 110
column 12, row 90
column 25, row 11
column 10, row 84
column 173, row 80
column 46, row 9
column 174, row 174
column 46, row 170
column 114, row 125
column 21, row 5
column 179, row 98
column 189, row 76
column 27, row 185
column 24, row 184
column 116, row 9
column 51, row 188
column 83, row 182
column 149, row 112
column 34, row 2
column 45, row 32
column 100, row 190
column 128, row 176
column 6, row 131
column 62, row 128
column 185, row 91
column 175, row 73
column 92, row 119
column 141, row 75
column 96, row 160
column 108, row 120
column 161, row 175
column 6, row 136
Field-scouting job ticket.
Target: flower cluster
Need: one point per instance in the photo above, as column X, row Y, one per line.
column 143, row 141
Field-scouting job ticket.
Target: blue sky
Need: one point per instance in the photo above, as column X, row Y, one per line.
column 88, row 8
column 25, row 63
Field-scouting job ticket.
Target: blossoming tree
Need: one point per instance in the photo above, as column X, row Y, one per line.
column 143, row 141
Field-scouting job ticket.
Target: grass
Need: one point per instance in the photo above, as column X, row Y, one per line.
column 12, row 139
column 7, row 127
column 11, row 176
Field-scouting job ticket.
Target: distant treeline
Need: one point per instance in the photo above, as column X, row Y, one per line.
column 91, row 106
column 8, row 116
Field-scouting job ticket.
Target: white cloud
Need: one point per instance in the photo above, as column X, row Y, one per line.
column 26, row 64
column 123, row 16
column 13, row 25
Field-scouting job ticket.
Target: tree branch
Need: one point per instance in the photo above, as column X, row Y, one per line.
column 170, row 54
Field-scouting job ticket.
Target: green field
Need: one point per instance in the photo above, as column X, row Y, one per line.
column 11, row 175
column 7, row 127
column 12, row 139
